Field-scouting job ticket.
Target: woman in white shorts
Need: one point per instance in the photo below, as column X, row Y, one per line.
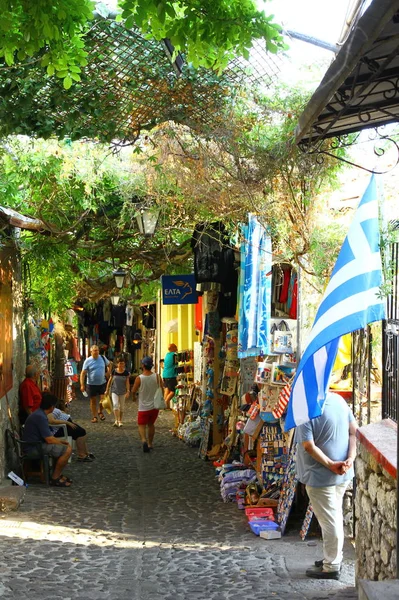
column 119, row 387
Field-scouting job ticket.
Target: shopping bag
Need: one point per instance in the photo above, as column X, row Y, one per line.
column 159, row 402
column 282, row 339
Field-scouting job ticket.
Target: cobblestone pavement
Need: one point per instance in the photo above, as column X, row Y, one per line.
column 147, row 527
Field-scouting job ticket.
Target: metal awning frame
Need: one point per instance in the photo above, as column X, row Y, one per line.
column 358, row 92
column 375, row 136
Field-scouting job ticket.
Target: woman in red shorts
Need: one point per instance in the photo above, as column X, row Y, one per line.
column 146, row 385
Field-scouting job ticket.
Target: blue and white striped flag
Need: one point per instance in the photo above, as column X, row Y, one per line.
column 350, row 302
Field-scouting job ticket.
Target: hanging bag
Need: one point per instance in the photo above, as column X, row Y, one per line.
column 282, row 339
column 159, row 402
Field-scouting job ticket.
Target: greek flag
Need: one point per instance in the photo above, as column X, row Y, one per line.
column 350, row 302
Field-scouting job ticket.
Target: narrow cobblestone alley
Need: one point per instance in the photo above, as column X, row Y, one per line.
column 147, row 527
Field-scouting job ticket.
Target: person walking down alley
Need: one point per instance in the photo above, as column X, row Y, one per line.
column 37, row 429
column 170, row 374
column 30, row 395
column 145, row 386
column 119, row 387
column 325, row 454
column 95, row 367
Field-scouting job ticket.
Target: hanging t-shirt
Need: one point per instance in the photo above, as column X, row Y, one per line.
column 119, row 316
column 286, row 282
column 129, row 315
column 213, row 255
column 293, row 296
column 107, row 311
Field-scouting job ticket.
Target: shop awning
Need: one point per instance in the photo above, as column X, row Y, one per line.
column 361, row 88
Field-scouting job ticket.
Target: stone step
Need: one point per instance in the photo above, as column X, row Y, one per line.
column 375, row 590
column 11, row 497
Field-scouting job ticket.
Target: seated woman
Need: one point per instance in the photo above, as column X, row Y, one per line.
column 77, row 433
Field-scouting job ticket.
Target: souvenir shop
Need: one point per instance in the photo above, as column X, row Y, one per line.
column 117, row 329
column 232, row 406
column 57, row 347
column 51, row 347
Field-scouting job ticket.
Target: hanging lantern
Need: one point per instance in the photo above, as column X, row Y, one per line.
column 119, row 275
column 115, row 299
column 147, row 219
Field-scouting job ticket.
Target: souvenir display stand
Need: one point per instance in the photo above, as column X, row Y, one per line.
column 40, row 348
column 259, row 437
column 272, row 458
column 232, row 408
column 181, row 402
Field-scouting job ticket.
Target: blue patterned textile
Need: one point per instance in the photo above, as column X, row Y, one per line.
column 255, row 290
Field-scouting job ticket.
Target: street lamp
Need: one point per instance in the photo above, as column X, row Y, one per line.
column 119, row 275
column 115, row 299
column 147, row 219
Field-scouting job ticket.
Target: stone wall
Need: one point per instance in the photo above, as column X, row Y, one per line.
column 375, row 512
column 348, row 511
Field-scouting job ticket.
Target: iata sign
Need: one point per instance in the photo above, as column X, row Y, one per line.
column 179, row 289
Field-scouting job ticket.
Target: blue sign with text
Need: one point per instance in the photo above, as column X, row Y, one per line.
column 179, row 289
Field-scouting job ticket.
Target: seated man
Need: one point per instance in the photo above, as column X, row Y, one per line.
column 30, row 395
column 77, row 433
column 37, row 430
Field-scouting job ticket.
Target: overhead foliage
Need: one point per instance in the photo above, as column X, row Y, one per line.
column 53, row 33
column 208, row 32
column 252, row 164
column 49, row 31
column 88, row 199
column 128, row 85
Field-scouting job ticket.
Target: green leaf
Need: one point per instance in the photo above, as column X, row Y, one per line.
column 50, row 70
column 129, row 23
column 170, row 11
column 162, row 15
column 9, row 57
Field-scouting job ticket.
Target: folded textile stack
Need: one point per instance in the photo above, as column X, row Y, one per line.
column 190, row 432
column 231, row 482
column 227, row 468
